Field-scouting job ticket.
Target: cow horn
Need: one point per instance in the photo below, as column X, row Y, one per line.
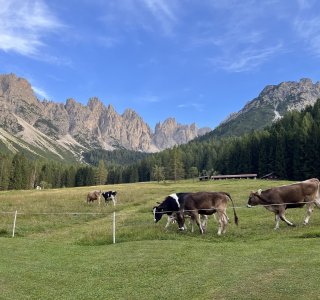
column 259, row 192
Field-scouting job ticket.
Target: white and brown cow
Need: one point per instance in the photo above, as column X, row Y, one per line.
column 94, row 195
column 206, row 203
column 278, row 199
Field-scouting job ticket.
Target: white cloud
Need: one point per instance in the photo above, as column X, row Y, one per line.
column 149, row 99
column 40, row 92
column 163, row 11
column 192, row 105
column 309, row 31
column 23, row 25
column 127, row 16
column 240, row 37
column 246, row 60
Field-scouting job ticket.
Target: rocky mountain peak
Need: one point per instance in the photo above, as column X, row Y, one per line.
column 271, row 104
column 130, row 114
column 95, row 104
column 74, row 125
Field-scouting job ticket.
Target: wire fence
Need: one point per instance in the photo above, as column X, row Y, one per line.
column 112, row 222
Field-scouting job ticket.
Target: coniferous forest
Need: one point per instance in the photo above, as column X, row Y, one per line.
column 290, row 149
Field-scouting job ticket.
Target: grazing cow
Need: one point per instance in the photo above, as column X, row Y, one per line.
column 206, row 203
column 94, row 195
column 110, row 196
column 170, row 206
column 278, row 199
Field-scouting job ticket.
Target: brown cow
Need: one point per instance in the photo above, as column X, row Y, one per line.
column 94, row 195
column 206, row 203
column 278, row 199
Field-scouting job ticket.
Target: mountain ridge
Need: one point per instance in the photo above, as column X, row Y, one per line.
column 73, row 127
column 270, row 105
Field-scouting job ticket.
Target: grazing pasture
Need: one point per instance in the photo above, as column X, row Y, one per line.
column 63, row 248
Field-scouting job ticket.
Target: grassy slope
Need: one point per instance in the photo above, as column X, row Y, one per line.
column 71, row 256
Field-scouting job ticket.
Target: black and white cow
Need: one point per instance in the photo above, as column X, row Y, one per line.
column 110, row 196
column 171, row 206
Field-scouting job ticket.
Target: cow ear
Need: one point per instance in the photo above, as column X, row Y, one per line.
column 158, row 202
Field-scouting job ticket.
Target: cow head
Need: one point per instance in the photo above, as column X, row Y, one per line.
column 158, row 211
column 254, row 198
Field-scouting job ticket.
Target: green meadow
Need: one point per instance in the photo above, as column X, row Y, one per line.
column 63, row 247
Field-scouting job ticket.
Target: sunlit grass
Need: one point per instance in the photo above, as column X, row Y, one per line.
column 63, row 248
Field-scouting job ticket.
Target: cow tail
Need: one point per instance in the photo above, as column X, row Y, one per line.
column 236, row 219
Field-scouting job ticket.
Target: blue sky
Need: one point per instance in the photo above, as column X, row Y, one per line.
column 197, row 61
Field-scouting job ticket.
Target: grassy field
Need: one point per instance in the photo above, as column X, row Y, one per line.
column 63, row 248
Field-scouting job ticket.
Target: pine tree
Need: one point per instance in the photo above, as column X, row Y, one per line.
column 176, row 170
column 158, row 173
column 101, row 173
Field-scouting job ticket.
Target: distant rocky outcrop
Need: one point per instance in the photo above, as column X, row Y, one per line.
column 72, row 127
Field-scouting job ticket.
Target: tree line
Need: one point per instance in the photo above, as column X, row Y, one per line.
column 290, row 148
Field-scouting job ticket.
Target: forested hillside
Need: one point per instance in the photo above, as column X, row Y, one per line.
column 290, row 148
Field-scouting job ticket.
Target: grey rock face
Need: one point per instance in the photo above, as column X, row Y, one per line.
column 89, row 126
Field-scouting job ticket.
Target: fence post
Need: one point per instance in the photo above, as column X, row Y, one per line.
column 114, row 228
column 14, row 223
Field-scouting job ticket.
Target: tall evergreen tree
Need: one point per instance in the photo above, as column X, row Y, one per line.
column 176, row 169
column 101, row 173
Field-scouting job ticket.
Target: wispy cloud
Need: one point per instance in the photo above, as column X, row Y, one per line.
column 155, row 16
column 246, row 60
column 309, row 31
column 164, row 12
column 192, row 105
column 148, row 99
column 23, row 25
column 241, row 37
column 41, row 93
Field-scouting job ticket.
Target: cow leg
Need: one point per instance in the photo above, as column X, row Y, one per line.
column 277, row 219
column 220, row 222
column 225, row 221
column 317, row 202
column 192, row 224
column 196, row 217
column 169, row 220
column 310, row 206
column 283, row 218
column 204, row 221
